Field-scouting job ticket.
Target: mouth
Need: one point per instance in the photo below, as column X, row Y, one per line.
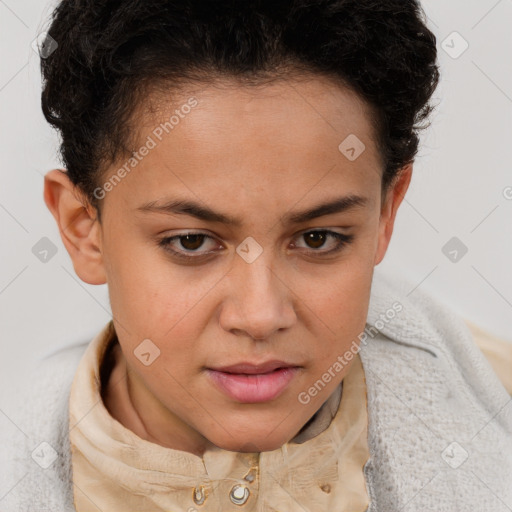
column 249, row 383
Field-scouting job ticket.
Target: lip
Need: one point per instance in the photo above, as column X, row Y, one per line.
column 250, row 383
column 253, row 369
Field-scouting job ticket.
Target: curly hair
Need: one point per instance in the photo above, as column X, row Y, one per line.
column 109, row 53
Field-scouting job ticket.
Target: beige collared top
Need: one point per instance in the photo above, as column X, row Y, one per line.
column 114, row 470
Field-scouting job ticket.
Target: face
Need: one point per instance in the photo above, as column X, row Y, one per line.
column 241, row 248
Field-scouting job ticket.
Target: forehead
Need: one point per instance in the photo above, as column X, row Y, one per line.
column 228, row 108
column 227, row 136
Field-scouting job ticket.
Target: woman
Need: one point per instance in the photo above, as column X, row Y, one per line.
column 233, row 171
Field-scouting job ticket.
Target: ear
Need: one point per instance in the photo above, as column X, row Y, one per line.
column 389, row 209
column 78, row 225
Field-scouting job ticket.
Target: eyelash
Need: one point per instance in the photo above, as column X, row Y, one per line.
column 343, row 240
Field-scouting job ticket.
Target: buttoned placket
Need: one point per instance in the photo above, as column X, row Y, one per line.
column 232, row 481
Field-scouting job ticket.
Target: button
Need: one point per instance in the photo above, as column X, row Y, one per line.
column 199, row 495
column 251, row 475
column 239, row 494
column 326, row 488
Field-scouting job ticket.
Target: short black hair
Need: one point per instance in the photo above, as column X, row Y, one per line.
column 110, row 52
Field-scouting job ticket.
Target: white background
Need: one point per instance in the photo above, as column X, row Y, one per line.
column 459, row 186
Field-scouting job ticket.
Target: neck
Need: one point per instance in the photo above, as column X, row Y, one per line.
column 129, row 401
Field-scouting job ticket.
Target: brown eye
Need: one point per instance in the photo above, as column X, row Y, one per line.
column 322, row 242
column 192, row 242
column 189, row 246
column 315, row 239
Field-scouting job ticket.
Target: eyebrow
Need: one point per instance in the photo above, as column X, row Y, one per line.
column 193, row 209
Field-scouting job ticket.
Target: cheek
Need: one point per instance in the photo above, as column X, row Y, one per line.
column 161, row 301
column 341, row 294
column 337, row 308
column 142, row 283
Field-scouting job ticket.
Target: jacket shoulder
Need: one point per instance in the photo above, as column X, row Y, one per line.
column 37, row 457
column 437, row 411
column 409, row 316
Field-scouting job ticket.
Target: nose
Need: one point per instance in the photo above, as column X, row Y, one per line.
column 258, row 302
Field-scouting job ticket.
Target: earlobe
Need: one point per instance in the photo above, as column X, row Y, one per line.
column 389, row 210
column 79, row 227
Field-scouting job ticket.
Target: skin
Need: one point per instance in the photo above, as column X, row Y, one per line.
column 257, row 154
